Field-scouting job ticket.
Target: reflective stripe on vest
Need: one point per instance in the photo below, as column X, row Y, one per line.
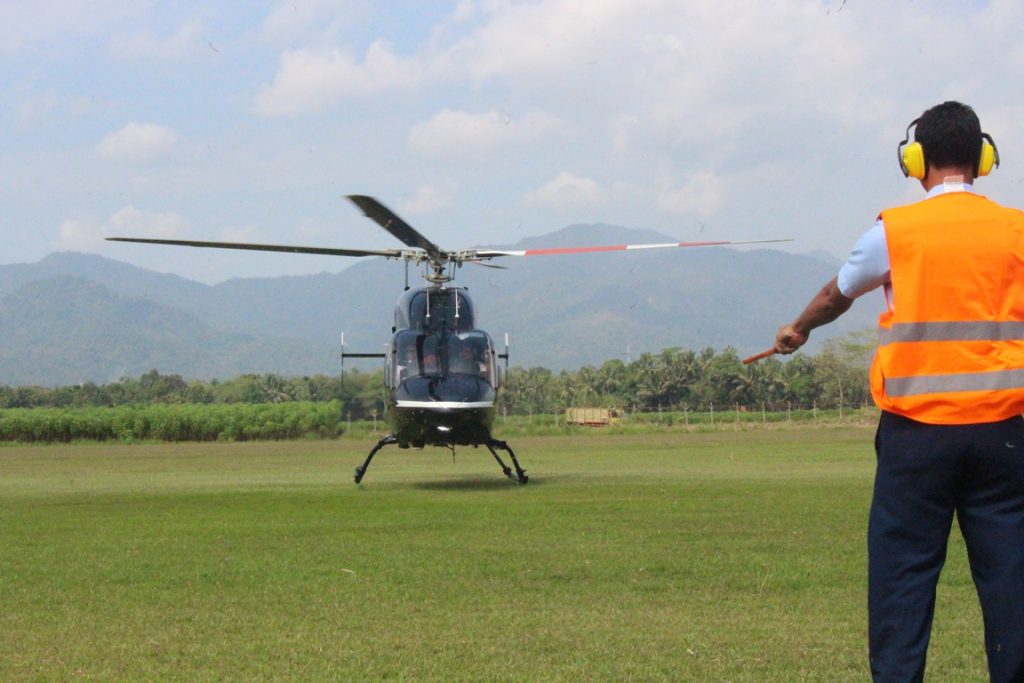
column 951, row 349
column 968, row 381
column 950, row 331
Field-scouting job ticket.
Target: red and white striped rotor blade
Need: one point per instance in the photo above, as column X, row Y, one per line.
column 491, row 253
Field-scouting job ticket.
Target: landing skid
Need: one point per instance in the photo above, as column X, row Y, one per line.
column 361, row 470
column 519, row 476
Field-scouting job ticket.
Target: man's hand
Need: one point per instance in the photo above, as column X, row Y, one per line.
column 788, row 340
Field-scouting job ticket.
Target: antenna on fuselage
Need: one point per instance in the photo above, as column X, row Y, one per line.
column 343, row 360
column 505, row 356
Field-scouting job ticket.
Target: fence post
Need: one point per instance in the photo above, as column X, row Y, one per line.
column 712, row 413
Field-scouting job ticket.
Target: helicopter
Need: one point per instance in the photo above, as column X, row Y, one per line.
column 441, row 372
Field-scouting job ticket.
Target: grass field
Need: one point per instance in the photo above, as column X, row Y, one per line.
column 717, row 556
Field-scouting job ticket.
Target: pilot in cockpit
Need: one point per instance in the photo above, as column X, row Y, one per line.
column 466, row 361
column 406, row 365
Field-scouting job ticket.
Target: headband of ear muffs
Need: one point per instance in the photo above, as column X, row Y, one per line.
column 911, row 157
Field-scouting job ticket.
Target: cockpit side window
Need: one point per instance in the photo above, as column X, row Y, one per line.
column 465, row 354
column 413, row 355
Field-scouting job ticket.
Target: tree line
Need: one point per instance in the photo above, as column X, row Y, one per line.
column 357, row 392
column 678, row 379
column 673, row 379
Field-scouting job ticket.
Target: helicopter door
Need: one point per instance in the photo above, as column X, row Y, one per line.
column 412, row 355
column 472, row 353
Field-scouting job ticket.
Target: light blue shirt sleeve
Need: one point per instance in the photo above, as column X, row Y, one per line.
column 868, row 264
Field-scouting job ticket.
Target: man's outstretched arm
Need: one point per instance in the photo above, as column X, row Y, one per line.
column 826, row 306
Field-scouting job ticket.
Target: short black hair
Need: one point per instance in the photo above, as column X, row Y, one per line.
column 950, row 134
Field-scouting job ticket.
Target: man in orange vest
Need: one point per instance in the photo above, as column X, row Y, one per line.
column 948, row 376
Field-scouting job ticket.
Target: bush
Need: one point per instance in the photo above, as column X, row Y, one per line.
column 175, row 422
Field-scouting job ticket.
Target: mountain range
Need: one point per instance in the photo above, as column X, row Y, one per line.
column 75, row 317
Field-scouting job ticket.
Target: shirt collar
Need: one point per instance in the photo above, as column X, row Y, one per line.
column 942, row 188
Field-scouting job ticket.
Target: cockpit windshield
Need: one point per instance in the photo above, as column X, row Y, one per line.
column 415, row 354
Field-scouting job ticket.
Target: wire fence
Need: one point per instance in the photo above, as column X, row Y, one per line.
column 725, row 417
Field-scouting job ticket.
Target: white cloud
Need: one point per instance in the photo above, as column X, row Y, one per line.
column 137, row 142
column 513, row 41
column 40, row 107
column 78, row 234
column 25, row 25
column 188, row 41
column 623, row 128
column 464, row 11
column 309, row 79
column 538, row 39
column 429, row 199
column 292, row 19
column 131, row 222
column 703, row 194
column 37, row 106
column 87, row 234
column 566, row 190
column 460, row 133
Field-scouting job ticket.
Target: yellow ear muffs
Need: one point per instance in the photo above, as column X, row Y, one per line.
column 911, row 157
column 912, row 161
column 989, row 158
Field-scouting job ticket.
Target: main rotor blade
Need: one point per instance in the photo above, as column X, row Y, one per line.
column 492, row 253
column 392, row 253
column 477, row 262
column 389, row 220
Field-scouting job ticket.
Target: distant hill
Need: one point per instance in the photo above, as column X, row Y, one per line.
column 66, row 330
column 80, row 317
column 568, row 311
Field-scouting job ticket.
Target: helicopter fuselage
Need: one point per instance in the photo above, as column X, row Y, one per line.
column 440, row 370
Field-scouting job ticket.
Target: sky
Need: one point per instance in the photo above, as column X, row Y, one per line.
column 480, row 122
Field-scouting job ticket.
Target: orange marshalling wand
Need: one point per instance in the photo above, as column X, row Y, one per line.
column 758, row 356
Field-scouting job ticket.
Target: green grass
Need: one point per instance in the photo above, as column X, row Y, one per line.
column 732, row 556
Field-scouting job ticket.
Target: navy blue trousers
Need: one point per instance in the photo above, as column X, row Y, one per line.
column 926, row 474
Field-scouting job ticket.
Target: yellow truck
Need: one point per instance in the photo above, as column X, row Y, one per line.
column 591, row 417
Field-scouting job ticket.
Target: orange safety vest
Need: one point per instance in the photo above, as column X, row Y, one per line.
column 951, row 345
